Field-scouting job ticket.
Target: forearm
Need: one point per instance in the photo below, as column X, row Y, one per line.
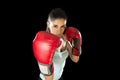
column 50, row 77
column 72, row 57
column 75, row 58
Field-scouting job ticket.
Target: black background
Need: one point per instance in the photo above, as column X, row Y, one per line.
column 84, row 19
column 92, row 19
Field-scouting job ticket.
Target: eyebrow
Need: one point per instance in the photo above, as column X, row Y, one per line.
column 60, row 26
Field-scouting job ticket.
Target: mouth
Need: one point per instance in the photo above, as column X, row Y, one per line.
column 59, row 35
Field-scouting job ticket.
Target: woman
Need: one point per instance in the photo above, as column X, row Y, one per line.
column 61, row 43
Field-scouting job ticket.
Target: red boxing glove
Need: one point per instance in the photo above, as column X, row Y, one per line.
column 73, row 35
column 44, row 46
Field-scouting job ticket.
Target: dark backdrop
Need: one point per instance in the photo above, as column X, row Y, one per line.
column 85, row 20
column 95, row 20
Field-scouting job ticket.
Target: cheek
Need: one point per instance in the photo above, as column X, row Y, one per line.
column 54, row 30
column 62, row 30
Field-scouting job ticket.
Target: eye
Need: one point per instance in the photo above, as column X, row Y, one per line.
column 63, row 27
column 55, row 26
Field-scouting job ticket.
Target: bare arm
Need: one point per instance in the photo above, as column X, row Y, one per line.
column 50, row 77
column 73, row 57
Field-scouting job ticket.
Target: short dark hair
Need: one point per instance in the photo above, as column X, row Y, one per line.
column 57, row 13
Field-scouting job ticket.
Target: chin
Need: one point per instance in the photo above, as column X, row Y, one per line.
column 59, row 36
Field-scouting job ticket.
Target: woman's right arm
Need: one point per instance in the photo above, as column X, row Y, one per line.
column 44, row 46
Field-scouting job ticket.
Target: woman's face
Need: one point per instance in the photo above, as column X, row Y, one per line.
column 57, row 26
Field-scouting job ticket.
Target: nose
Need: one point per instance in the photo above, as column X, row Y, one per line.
column 58, row 32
